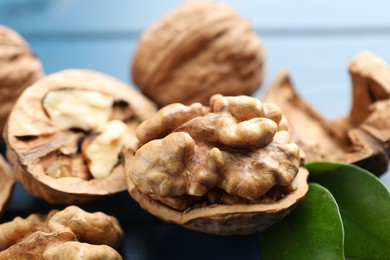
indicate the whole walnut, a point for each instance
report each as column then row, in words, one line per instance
column 198, row 50
column 227, row 168
column 19, row 68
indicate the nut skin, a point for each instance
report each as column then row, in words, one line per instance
column 198, row 50
column 7, row 181
column 49, row 236
column 19, row 69
column 228, row 155
column 33, row 142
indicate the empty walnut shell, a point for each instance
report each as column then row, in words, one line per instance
column 71, row 233
column 230, row 168
column 362, row 137
column 6, row 183
column 44, row 147
column 198, row 50
column 19, row 68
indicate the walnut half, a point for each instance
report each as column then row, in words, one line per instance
column 230, row 168
column 71, row 233
column 65, row 133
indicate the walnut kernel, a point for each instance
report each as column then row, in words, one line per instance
column 235, row 152
column 71, row 232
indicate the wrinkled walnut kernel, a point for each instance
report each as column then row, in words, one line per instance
column 71, row 232
column 102, row 152
column 238, row 147
column 81, row 109
column 88, row 111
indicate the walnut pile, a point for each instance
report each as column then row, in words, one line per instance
column 362, row 137
column 65, row 133
column 71, row 233
column 237, row 151
column 6, row 183
column 197, row 50
column 19, row 68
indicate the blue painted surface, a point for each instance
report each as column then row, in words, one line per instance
column 314, row 40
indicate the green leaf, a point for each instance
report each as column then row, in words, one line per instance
column 364, row 204
column 312, row 231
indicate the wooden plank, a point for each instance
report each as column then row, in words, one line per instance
column 130, row 17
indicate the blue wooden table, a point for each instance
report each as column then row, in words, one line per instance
column 314, row 40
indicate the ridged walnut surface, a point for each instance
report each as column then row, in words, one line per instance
column 31, row 138
column 230, row 168
column 195, row 51
column 19, row 68
column 68, row 234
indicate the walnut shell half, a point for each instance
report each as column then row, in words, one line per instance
column 197, row 50
column 362, row 137
column 65, row 132
column 230, row 168
column 6, row 183
column 19, row 68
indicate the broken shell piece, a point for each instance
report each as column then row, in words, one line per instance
column 224, row 169
column 7, row 182
column 362, row 137
column 71, row 232
column 65, row 133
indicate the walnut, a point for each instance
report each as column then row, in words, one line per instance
column 362, row 137
column 19, row 69
column 195, row 51
column 6, row 184
column 230, row 168
column 65, row 133
column 71, row 232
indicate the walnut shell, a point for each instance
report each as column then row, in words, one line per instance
column 230, row 168
column 19, row 68
column 362, row 137
column 198, row 50
column 35, row 145
column 71, row 232
column 6, row 184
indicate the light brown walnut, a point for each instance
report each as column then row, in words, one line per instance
column 7, row 181
column 65, row 133
column 198, row 50
column 362, row 137
column 71, row 233
column 19, row 68
column 235, row 152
